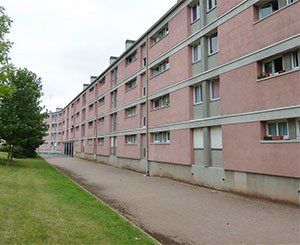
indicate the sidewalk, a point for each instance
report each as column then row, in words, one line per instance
column 174, row 212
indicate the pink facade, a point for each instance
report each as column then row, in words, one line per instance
column 179, row 109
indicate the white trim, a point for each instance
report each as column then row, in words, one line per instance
column 214, row 5
column 199, row 53
column 292, row 58
column 201, row 94
column 198, row 12
column 209, row 44
column 298, row 129
column 210, row 91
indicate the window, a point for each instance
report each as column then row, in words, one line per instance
column 268, row 9
column 91, row 124
column 101, row 121
column 144, row 61
column 144, row 91
column 91, row 107
column 215, row 90
column 100, row 141
column 91, row 90
column 130, row 139
column 102, row 81
column 295, row 60
column 216, row 137
column 211, row 4
column 298, row 129
column 131, row 58
column 161, row 102
column 160, row 35
column 101, row 101
column 195, row 12
column 130, row 85
column 161, row 137
column 131, row 111
column 160, row 68
column 144, row 122
column 196, row 53
column 198, row 138
column 198, row 94
column 90, row 141
column 273, row 67
column 114, row 76
column 289, row 1
column 278, row 129
column 213, row 44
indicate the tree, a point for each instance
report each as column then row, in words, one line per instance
column 21, row 118
column 5, row 45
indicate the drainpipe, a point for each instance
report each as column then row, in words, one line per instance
column 147, row 108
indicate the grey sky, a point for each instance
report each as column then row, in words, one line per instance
column 66, row 41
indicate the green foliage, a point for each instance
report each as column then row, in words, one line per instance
column 5, row 45
column 21, row 118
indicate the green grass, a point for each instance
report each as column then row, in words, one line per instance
column 40, row 205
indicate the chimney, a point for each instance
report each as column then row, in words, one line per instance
column 129, row 43
column 93, row 78
column 112, row 59
column 85, row 85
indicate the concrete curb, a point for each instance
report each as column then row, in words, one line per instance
column 114, row 210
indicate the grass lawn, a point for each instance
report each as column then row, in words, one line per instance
column 40, row 205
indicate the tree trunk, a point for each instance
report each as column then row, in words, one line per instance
column 8, row 155
column 11, row 152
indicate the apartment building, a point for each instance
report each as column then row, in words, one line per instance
column 210, row 95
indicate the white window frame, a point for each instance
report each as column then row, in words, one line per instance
column 131, row 58
column 144, row 121
column 298, row 128
column 90, row 126
column 160, row 68
column 211, row 91
column 90, row 141
column 214, row 4
column 294, row 66
column 165, row 102
column 289, row 1
column 101, row 120
column 161, row 137
column 285, row 137
column 131, row 112
column 273, row 65
column 209, row 44
column 133, row 84
column 100, row 142
column 131, row 139
column 160, row 35
column 199, row 53
column 197, row 5
column 201, row 94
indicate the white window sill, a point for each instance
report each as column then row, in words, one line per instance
column 193, row 22
column 159, row 108
column 157, row 143
column 130, row 116
column 158, row 74
column 213, row 53
column 153, row 44
column 215, row 100
column 210, row 10
column 278, row 74
column 198, row 103
column 279, row 141
column 127, row 90
column 195, row 62
column 131, row 144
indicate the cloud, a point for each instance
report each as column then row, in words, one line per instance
column 65, row 42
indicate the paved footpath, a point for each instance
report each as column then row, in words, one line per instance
column 178, row 213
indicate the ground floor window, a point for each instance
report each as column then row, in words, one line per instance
column 279, row 129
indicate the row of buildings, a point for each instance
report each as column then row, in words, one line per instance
column 210, row 94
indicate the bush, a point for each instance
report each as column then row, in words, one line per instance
column 24, row 152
